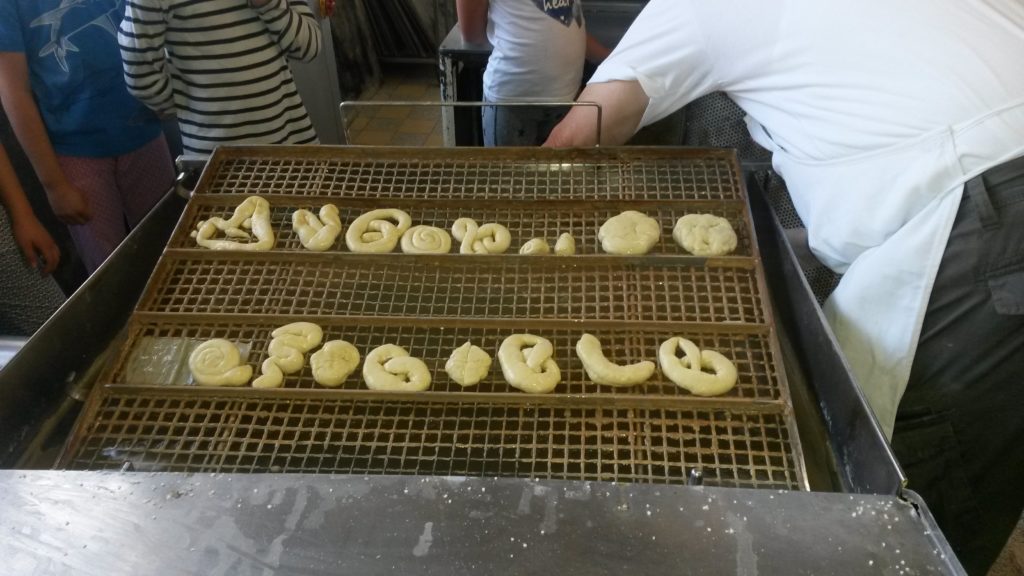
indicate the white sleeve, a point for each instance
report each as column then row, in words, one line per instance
column 664, row 50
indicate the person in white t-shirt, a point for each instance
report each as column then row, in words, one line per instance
column 539, row 48
column 899, row 130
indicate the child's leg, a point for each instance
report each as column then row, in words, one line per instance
column 95, row 178
column 143, row 177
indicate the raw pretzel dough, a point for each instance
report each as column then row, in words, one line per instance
column 603, row 371
column 535, row 247
column 288, row 344
column 565, row 245
column 217, row 363
column 374, row 232
column 686, row 372
column 629, row 233
column 390, row 368
column 490, row 238
column 527, row 363
column 253, row 214
column 705, row 235
column 426, row 240
column 333, row 363
column 317, row 234
column 468, row 365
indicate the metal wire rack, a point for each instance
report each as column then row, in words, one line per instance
column 146, row 412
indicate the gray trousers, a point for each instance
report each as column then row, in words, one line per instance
column 959, row 432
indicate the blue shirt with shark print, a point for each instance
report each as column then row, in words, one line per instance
column 76, row 74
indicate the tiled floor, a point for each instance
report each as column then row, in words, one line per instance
column 399, row 125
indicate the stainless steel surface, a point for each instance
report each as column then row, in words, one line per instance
column 432, row 304
column 317, row 82
column 140, row 523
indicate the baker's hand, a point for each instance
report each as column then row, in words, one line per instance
column 69, row 204
column 36, row 245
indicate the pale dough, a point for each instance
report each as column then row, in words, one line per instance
column 426, row 240
column 217, row 363
column 252, row 214
column 629, row 233
column 535, row 247
column 565, row 245
column 468, row 365
column 602, row 371
column 288, row 345
column 490, row 238
column 686, row 372
column 317, row 234
column 390, row 368
column 333, row 363
column 527, row 363
column 705, row 235
column 374, row 232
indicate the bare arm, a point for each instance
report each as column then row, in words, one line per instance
column 473, row 20
column 622, row 107
column 33, row 240
column 16, row 95
column 596, row 52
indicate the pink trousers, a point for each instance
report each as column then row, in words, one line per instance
column 120, row 190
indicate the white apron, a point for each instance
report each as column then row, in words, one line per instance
column 882, row 220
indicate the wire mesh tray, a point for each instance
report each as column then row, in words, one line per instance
column 145, row 412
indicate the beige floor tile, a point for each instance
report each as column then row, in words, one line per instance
column 406, row 139
column 397, row 112
column 410, row 91
column 435, row 139
column 384, row 124
column 411, row 126
column 373, row 138
column 358, row 123
column 426, row 113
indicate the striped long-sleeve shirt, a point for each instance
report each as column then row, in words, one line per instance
column 220, row 66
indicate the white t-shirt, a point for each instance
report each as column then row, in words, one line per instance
column 829, row 79
column 539, row 49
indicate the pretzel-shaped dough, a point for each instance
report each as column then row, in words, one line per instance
column 468, row 365
column 565, row 245
column 287, row 346
column 333, row 363
column 374, row 233
column 535, row 247
column 391, row 368
column 705, row 235
column 630, row 232
column 426, row 240
column 253, row 213
column 217, row 363
column 686, row 372
column 527, row 363
column 603, row 371
column 317, row 234
column 490, row 238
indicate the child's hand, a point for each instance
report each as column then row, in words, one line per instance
column 36, row 244
column 69, row 204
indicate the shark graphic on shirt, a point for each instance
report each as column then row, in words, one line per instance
column 65, row 22
column 565, row 11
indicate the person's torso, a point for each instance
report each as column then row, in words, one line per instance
column 77, row 78
column 539, row 49
column 231, row 78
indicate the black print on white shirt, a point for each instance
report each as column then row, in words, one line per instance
column 565, row 11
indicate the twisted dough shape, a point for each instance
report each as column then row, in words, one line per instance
column 426, row 240
column 686, row 372
column 287, row 346
column 468, row 365
column 217, row 363
column 490, row 238
column 565, row 245
column 333, row 363
column 391, row 368
column 535, row 247
column 317, row 234
column 630, row 232
column 527, row 363
column 253, row 213
column 705, row 235
column 374, row 233
column 603, row 371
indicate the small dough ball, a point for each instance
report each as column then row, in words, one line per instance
column 629, row 233
column 426, row 240
column 565, row 245
column 705, row 235
column 468, row 365
column 535, row 247
column 333, row 363
column 217, row 362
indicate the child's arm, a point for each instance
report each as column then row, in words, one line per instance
column 141, row 38
column 33, row 240
column 293, row 25
column 473, row 20
column 68, row 202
